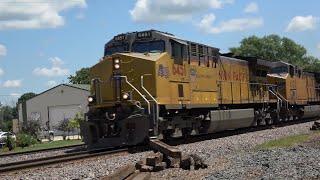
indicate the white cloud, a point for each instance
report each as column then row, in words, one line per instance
column 233, row 25
column 318, row 46
column 55, row 70
column 51, row 84
column 12, row 83
column 24, row 14
column 252, row 8
column 80, row 16
column 1, row 72
column 302, row 23
column 152, row 11
column 3, row 50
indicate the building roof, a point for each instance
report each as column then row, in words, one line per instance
column 85, row 87
column 79, row 86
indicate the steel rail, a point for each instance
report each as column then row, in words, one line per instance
column 40, row 150
column 57, row 159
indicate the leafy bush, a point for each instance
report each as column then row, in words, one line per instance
column 32, row 128
column 10, row 143
column 64, row 126
column 76, row 121
column 25, row 140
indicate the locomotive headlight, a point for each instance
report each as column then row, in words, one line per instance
column 116, row 66
column 117, row 61
column 90, row 99
column 125, row 96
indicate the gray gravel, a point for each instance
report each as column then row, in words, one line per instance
column 37, row 155
column 221, row 155
column 92, row 168
column 291, row 163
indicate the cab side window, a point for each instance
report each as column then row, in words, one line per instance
column 291, row 71
column 177, row 52
column 201, row 54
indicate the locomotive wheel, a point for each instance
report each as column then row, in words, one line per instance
column 167, row 134
column 186, row 132
column 259, row 122
column 268, row 121
column 93, row 134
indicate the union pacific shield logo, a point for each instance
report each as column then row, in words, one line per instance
column 163, row 71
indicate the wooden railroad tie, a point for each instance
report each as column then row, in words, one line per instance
column 165, row 156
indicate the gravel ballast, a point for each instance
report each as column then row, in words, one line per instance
column 92, row 168
column 287, row 163
column 222, row 154
column 35, row 155
column 231, row 157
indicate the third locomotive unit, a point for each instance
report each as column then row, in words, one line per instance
column 152, row 84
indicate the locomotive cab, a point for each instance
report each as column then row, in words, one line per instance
column 124, row 101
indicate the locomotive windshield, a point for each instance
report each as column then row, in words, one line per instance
column 115, row 49
column 150, row 46
column 281, row 69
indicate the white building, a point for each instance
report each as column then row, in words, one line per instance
column 55, row 105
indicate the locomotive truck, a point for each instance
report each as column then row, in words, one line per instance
column 152, row 84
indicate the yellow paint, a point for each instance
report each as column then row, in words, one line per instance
column 225, row 83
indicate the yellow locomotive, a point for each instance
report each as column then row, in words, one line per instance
column 153, row 84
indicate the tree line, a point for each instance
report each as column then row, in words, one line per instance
column 276, row 48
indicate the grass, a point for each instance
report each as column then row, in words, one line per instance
column 288, row 141
column 43, row 145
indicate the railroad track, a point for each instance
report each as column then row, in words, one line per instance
column 41, row 150
column 93, row 153
column 57, row 159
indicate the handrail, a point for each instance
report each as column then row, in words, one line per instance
column 287, row 102
column 275, row 94
column 263, row 84
column 144, row 98
column 279, row 99
column 154, row 99
column 98, row 96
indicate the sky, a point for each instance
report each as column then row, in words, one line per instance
column 42, row 42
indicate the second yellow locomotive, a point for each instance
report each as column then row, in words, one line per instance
column 153, row 84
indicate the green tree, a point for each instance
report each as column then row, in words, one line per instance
column 81, row 77
column 276, row 48
column 76, row 121
column 32, row 128
column 26, row 97
column 65, row 127
column 7, row 113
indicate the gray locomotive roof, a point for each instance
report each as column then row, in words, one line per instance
column 264, row 62
column 225, row 58
column 279, row 63
column 169, row 36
